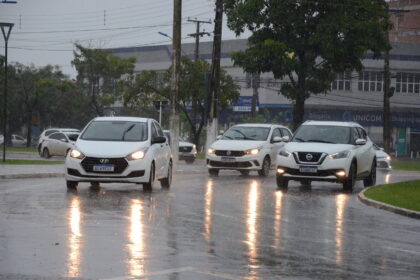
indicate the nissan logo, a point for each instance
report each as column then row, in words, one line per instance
column 104, row 160
column 309, row 157
column 228, row 153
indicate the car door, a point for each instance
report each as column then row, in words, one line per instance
column 366, row 151
column 165, row 150
column 53, row 143
column 359, row 151
column 156, row 150
column 275, row 146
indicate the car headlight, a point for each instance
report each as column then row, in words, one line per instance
column 284, row 153
column 252, row 151
column 343, row 154
column 76, row 154
column 388, row 158
column 211, row 151
column 194, row 147
column 137, row 155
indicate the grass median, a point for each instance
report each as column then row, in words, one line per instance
column 405, row 195
column 31, row 162
column 406, row 165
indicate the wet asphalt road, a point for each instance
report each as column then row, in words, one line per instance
column 226, row 227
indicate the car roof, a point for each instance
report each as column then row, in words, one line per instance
column 129, row 119
column 332, row 123
column 259, row 125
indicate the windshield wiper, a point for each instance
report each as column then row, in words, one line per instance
column 320, row 141
column 240, row 132
column 127, row 130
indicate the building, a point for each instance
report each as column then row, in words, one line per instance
column 405, row 15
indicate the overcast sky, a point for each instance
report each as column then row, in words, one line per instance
column 45, row 30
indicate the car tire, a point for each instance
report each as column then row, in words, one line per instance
column 282, row 183
column 265, row 169
column 39, row 151
column 166, row 182
column 244, row 172
column 349, row 182
column 72, row 185
column 46, row 153
column 190, row 160
column 149, row 185
column 371, row 179
column 213, row 172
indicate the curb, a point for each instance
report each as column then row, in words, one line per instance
column 380, row 205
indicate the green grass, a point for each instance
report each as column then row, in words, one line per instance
column 405, row 195
column 25, row 161
column 406, row 165
column 30, row 149
column 201, row 156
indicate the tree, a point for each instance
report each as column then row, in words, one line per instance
column 141, row 89
column 98, row 72
column 307, row 41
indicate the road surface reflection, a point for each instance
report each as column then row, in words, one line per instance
column 74, row 217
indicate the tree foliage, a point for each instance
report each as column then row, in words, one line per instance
column 307, row 41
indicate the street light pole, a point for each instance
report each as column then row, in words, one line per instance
column 6, row 34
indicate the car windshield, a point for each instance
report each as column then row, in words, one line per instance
column 115, row 131
column 247, row 133
column 323, row 134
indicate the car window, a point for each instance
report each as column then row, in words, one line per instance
column 19, row 138
column 286, row 132
column 247, row 133
column 276, row 133
column 57, row 136
column 323, row 134
column 154, row 131
column 355, row 134
column 72, row 136
column 362, row 133
column 116, row 131
column 158, row 129
column 49, row 132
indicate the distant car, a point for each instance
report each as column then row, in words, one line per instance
column 120, row 150
column 383, row 160
column 247, row 147
column 50, row 131
column 18, row 141
column 187, row 150
column 58, row 144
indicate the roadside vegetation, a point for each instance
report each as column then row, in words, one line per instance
column 406, row 165
column 405, row 195
column 30, row 162
column 26, row 149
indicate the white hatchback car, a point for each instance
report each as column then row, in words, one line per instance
column 247, row 147
column 58, row 144
column 328, row 151
column 120, row 149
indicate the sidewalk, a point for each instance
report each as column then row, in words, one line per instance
column 12, row 171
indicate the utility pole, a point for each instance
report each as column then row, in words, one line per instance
column 215, row 75
column 197, row 35
column 175, row 79
column 255, row 80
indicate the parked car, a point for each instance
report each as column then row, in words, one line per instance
column 120, row 149
column 43, row 136
column 383, row 160
column 18, row 141
column 328, row 151
column 247, row 147
column 187, row 151
column 58, row 144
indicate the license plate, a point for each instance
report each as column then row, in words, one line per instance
column 103, row 168
column 308, row 169
column 228, row 159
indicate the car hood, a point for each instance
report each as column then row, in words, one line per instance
column 185, row 144
column 317, row 147
column 108, row 148
column 236, row 145
column 381, row 154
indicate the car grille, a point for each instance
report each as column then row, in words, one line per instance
column 308, row 157
column 382, row 164
column 319, row 173
column 229, row 153
column 185, row 149
column 133, row 174
column 120, row 164
column 230, row 164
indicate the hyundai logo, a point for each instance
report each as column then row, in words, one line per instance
column 228, row 153
column 104, row 160
column 309, row 157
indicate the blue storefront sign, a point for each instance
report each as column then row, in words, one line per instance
column 244, row 104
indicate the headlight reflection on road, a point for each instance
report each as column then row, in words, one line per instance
column 277, row 218
column 387, row 178
column 136, row 237
column 252, row 232
column 340, row 201
column 208, row 201
column 75, row 238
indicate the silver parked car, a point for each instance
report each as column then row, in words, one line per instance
column 58, row 144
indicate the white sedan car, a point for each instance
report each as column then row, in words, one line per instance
column 58, row 144
column 247, row 147
column 120, row 149
column 328, row 151
column 383, row 159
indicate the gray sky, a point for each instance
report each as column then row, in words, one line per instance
column 45, row 30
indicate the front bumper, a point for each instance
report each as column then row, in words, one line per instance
column 245, row 162
column 383, row 163
column 186, row 156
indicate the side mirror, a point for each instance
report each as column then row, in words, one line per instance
column 360, row 142
column 276, row 139
column 158, row 140
column 285, row 139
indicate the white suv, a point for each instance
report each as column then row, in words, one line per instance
column 120, row 149
column 328, row 151
column 247, row 147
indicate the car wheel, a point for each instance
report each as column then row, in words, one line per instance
column 46, row 153
column 190, row 160
column 71, row 185
column 149, row 185
column 39, row 151
column 282, row 183
column 265, row 169
column 348, row 184
column 166, row 182
column 213, row 172
column 371, row 179
column 244, row 172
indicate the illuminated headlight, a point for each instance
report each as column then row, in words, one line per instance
column 194, row 147
column 388, row 158
column 252, row 152
column 136, row 155
column 284, row 153
column 343, row 154
column 76, row 154
column 211, row 151
column 341, row 173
